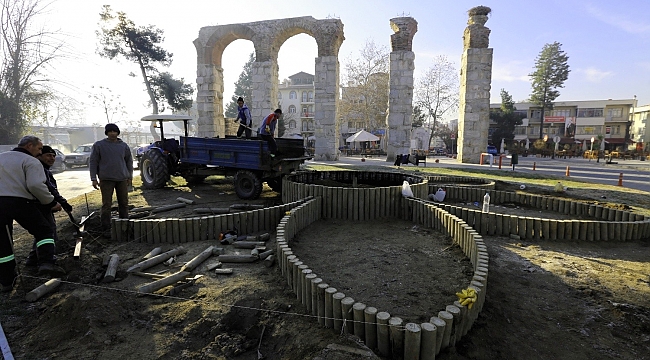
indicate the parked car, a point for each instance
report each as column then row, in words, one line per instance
column 491, row 149
column 79, row 157
column 59, row 162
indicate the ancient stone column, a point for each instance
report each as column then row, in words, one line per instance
column 475, row 84
column 326, row 96
column 209, row 100
column 265, row 90
column 400, row 98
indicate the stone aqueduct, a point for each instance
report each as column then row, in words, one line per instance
column 268, row 36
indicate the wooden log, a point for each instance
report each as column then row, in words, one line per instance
column 111, row 269
column 440, row 331
column 396, row 337
column 184, row 200
column 370, row 329
column 152, row 253
column 142, row 209
column 412, row 341
column 359, row 327
column 265, row 254
column 237, row 258
column 213, row 266
column 77, row 247
column 164, row 208
column 157, row 259
column 161, row 283
column 223, row 271
column 383, row 337
column 247, row 244
column 214, row 211
column 42, row 290
column 198, row 259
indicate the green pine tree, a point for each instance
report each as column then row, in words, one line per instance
column 243, row 88
column 506, row 120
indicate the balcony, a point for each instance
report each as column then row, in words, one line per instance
column 307, row 115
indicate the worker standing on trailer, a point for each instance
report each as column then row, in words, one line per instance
column 244, row 117
column 267, row 129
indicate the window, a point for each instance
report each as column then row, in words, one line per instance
column 616, row 130
column 310, row 96
column 614, row 112
column 360, row 125
column 279, row 96
column 520, row 130
column 292, row 124
column 304, row 96
column 535, row 114
column 350, row 125
column 561, row 112
column 292, row 95
column 292, row 109
column 590, row 112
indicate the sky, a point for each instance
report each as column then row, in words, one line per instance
column 608, row 42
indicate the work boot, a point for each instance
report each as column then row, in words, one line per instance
column 31, row 261
column 50, row 269
column 10, row 287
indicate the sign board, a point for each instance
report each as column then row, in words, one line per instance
column 553, row 119
column 556, row 139
column 608, row 129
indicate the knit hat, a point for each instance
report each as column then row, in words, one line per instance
column 240, row 99
column 47, row 150
column 111, row 127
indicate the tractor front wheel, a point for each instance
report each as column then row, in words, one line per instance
column 248, row 185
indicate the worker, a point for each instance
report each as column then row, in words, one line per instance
column 267, row 128
column 244, row 118
column 47, row 158
column 22, row 188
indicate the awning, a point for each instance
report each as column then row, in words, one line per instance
column 618, row 141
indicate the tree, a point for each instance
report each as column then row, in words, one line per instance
column 436, row 92
column 365, row 87
column 243, row 88
column 119, row 36
column 506, row 119
column 27, row 51
column 551, row 71
column 109, row 102
column 444, row 132
column 418, row 117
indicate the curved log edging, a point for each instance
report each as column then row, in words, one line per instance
column 352, row 203
column 378, row 329
column 608, row 224
column 174, row 230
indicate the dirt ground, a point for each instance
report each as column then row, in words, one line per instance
column 545, row 300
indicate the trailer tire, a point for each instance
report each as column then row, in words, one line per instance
column 248, row 185
column 153, row 170
column 275, row 184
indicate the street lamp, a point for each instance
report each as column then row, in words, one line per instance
column 591, row 149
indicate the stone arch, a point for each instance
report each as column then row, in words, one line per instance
column 267, row 37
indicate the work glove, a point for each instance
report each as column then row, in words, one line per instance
column 67, row 207
column 268, row 129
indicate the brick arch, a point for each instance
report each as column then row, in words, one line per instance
column 267, row 37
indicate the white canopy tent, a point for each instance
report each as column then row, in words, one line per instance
column 362, row 136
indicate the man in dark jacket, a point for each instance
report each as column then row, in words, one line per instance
column 47, row 158
column 244, row 117
column 111, row 169
column 22, row 188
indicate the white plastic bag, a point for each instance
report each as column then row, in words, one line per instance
column 439, row 195
column 406, row 189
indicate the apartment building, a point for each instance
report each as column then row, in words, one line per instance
column 577, row 121
column 296, row 99
column 640, row 131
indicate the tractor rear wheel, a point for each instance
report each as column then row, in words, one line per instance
column 153, row 170
column 248, row 185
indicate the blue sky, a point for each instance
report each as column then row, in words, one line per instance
column 608, row 42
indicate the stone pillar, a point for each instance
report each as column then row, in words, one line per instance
column 209, row 101
column 475, row 84
column 326, row 97
column 265, row 90
column 400, row 97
